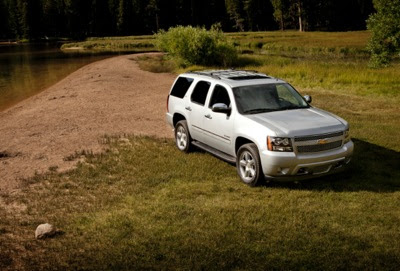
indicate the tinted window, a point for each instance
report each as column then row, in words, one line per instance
column 200, row 91
column 256, row 99
column 220, row 95
column 181, row 87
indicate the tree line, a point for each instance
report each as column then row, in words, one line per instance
column 36, row 19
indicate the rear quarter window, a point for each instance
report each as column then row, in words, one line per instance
column 181, row 87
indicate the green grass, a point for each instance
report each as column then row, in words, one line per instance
column 122, row 44
column 336, row 44
column 155, row 63
column 145, row 205
column 356, row 39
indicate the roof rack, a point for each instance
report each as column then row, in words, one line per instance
column 232, row 74
column 206, row 73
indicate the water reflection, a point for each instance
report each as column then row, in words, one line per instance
column 27, row 69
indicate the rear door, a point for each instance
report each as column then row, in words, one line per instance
column 196, row 109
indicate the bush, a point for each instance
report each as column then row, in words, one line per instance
column 385, row 28
column 197, row 46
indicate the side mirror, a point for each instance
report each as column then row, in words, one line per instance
column 308, row 98
column 221, row 108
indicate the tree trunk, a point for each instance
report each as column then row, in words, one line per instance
column 300, row 17
column 157, row 22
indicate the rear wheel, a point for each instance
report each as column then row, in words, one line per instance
column 182, row 136
column 248, row 165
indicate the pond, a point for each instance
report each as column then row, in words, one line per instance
column 26, row 69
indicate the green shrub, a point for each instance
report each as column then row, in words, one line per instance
column 197, row 46
column 257, row 44
column 385, row 28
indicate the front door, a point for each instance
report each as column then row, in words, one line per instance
column 218, row 127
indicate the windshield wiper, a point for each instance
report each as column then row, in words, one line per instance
column 258, row 110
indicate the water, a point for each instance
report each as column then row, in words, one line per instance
column 30, row 68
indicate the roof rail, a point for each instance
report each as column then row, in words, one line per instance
column 232, row 74
column 205, row 74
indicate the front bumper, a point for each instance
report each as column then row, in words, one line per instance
column 292, row 166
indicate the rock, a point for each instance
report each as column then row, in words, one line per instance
column 44, row 231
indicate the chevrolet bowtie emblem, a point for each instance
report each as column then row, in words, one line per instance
column 322, row 141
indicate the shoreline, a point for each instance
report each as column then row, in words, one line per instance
column 112, row 96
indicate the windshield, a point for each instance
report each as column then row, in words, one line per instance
column 266, row 98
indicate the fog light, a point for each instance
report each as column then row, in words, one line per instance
column 302, row 171
column 285, row 171
column 338, row 165
column 282, row 171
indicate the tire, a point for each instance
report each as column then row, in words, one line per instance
column 248, row 165
column 182, row 136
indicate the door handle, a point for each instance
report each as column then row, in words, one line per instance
column 208, row 116
column 188, row 108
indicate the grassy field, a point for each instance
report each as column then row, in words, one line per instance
column 129, row 43
column 144, row 205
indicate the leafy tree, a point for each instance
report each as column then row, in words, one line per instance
column 385, row 27
column 235, row 11
column 125, row 16
column 4, row 27
column 77, row 17
column 53, row 21
column 154, row 11
column 259, row 15
column 29, row 18
column 100, row 17
column 281, row 8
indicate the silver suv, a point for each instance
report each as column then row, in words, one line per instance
column 259, row 122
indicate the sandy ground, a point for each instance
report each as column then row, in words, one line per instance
column 109, row 97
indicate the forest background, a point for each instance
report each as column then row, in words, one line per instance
column 43, row 19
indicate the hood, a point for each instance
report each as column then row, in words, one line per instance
column 300, row 122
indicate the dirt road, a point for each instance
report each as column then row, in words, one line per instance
column 109, row 97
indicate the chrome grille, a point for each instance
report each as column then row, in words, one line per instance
column 315, row 137
column 319, row 147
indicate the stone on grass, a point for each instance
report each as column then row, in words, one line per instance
column 44, row 231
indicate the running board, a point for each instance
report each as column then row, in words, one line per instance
column 215, row 152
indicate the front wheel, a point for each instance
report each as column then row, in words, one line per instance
column 182, row 136
column 248, row 165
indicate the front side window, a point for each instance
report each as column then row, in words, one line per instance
column 200, row 92
column 220, row 95
column 266, row 98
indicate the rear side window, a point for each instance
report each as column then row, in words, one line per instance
column 200, row 91
column 181, row 87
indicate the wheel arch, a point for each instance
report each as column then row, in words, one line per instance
column 177, row 117
column 240, row 141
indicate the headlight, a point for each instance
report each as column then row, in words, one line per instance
column 346, row 136
column 282, row 144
